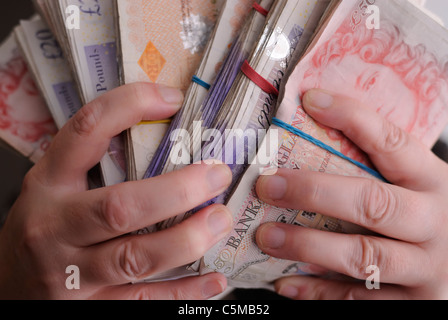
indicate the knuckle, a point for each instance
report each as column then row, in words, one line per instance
column 178, row 293
column 366, row 252
column 140, row 93
column 192, row 241
column 319, row 291
column 350, row 294
column 378, row 204
column 28, row 182
column 133, row 262
column 142, row 294
column 174, row 293
column 194, row 245
column 86, row 120
column 393, row 138
column 32, row 241
column 186, row 195
column 116, row 216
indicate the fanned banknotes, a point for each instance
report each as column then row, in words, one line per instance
column 399, row 69
column 245, row 109
column 91, row 52
column 216, row 73
column 160, row 42
column 50, row 69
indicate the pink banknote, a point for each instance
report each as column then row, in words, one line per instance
column 25, row 121
column 164, row 40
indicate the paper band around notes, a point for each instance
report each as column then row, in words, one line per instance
column 260, row 9
column 264, row 84
column 201, row 82
column 279, row 123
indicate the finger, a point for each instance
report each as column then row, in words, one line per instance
column 135, row 258
column 398, row 262
column 397, row 155
column 374, row 205
column 82, row 143
column 99, row 215
column 309, row 288
column 192, row 288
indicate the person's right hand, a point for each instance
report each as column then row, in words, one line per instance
column 57, row 222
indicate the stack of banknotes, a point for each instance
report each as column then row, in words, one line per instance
column 243, row 66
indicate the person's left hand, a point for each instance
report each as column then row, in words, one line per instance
column 411, row 213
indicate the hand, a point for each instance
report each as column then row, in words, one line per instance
column 57, row 222
column 411, row 213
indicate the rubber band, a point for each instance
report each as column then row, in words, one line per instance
column 303, row 135
column 264, row 84
column 260, row 9
column 167, row 121
column 200, row 82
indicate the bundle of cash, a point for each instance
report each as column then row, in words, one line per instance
column 245, row 109
column 183, row 41
column 399, row 68
column 243, row 66
column 204, row 99
column 89, row 46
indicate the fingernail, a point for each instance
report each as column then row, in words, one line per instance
column 212, row 288
column 171, row 95
column 219, row 177
column 272, row 237
column 219, row 222
column 289, row 292
column 273, row 187
column 319, row 99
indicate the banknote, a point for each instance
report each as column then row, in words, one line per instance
column 220, row 64
column 161, row 42
column 249, row 108
column 398, row 69
column 25, row 121
column 50, row 69
column 90, row 48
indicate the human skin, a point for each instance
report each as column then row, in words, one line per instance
column 57, row 222
column 408, row 214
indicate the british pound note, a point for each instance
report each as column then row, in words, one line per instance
column 161, row 42
column 398, row 69
column 25, row 122
column 228, row 27
column 50, row 69
column 92, row 52
column 248, row 108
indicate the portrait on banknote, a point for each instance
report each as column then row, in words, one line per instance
column 23, row 121
column 382, row 70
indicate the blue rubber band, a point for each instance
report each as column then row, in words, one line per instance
column 303, row 135
column 201, row 82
